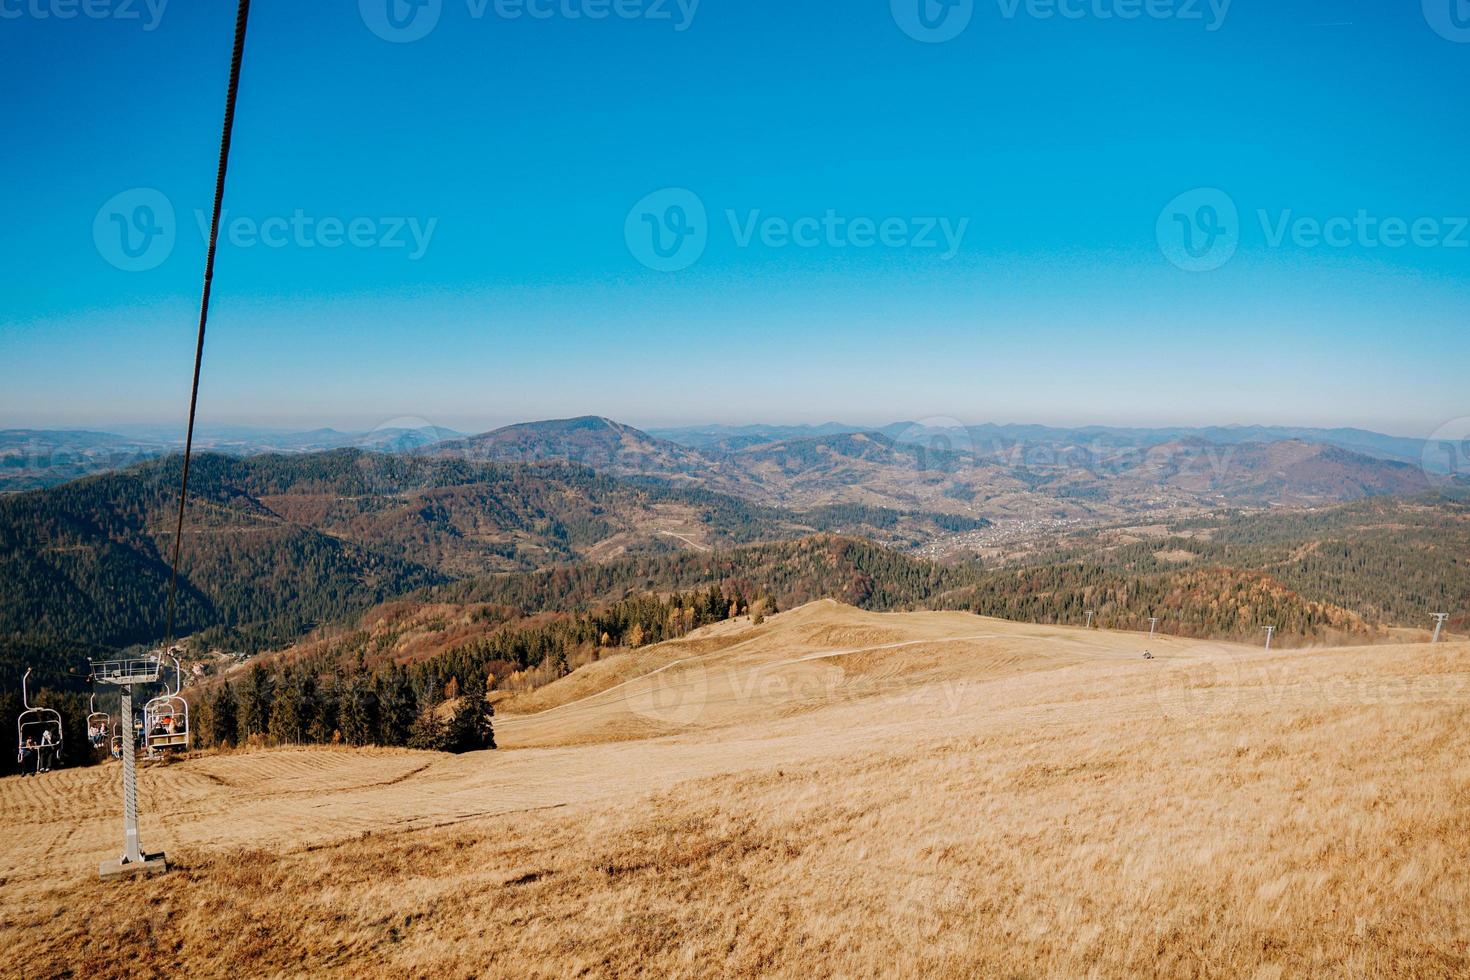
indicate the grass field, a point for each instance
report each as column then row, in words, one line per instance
column 833, row 792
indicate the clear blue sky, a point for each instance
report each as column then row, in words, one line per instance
column 528, row 141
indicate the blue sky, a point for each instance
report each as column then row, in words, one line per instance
column 519, row 146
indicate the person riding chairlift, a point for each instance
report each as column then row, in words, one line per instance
column 47, row 752
column 28, row 757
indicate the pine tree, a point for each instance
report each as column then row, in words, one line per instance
column 224, row 713
column 255, row 703
column 470, row 728
column 428, row 731
column 285, row 726
column 398, row 707
column 323, row 727
column 358, row 714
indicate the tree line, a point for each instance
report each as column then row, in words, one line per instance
column 441, row 703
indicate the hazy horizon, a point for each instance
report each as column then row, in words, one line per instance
column 473, row 427
column 457, row 227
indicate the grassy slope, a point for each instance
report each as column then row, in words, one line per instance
column 1039, row 803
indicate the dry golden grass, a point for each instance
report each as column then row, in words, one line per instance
column 810, row 799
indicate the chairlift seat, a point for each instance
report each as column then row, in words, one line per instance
column 33, row 726
column 172, row 740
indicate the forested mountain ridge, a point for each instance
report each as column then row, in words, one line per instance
column 274, row 544
column 516, row 632
column 1391, row 560
column 1123, row 588
column 604, row 445
column 1087, row 473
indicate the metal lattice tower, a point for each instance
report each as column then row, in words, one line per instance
column 124, row 674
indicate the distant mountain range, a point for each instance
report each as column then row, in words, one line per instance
column 278, row 541
column 991, row 439
column 1006, row 471
column 1033, row 471
column 35, row 458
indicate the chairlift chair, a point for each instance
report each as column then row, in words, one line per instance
column 166, row 719
column 41, row 727
column 99, row 724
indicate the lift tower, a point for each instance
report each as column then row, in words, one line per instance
column 123, row 674
column 1439, row 619
column 1270, row 632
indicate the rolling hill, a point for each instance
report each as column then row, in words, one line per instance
column 602, row 444
column 831, row 791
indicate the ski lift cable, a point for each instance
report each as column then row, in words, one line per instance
column 241, row 20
